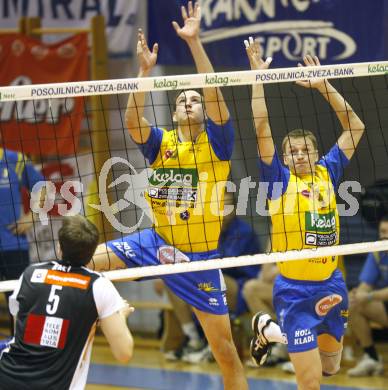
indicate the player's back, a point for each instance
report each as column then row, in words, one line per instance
column 56, row 317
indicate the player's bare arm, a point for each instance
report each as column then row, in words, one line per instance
column 265, row 143
column 118, row 335
column 352, row 125
column 138, row 126
column 215, row 106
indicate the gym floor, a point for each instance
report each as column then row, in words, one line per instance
column 149, row 370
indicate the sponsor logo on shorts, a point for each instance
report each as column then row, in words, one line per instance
column 325, row 304
column 303, row 336
column 213, row 302
column 281, row 317
column 169, row 255
column 207, row 287
column 124, row 248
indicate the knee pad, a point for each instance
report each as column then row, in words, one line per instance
column 331, row 362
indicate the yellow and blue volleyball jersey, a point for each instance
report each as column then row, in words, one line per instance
column 304, row 213
column 15, row 173
column 186, row 188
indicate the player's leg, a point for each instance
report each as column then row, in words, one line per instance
column 105, row 259
column 193, row 342
column 258, row 296
column 134, row 250
column 308, row 369
column 219, row 336
column 205, row 292
column 330, row 351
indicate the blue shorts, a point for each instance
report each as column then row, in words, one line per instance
column 307, row 309
column 204, row 290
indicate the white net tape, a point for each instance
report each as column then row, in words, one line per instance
column 166, row 269
column 189, row 81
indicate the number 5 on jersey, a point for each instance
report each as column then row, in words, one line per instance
column 53, row 300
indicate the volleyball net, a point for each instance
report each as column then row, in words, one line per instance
column 104, row 175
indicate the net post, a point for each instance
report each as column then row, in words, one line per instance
column 99, row 134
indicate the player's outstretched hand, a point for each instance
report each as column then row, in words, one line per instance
column 146, row 57
column 191, row 22
column 317, row 83
column 255, row 54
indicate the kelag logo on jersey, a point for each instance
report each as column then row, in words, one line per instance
column 287, row 30
column 320, row 229
column 174, row 177
column 323, row 223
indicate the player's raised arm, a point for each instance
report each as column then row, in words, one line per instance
column 216, row 108
column 265, row 143
column 352, row 125
column 138, row 126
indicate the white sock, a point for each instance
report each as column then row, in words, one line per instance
column 274, row 334
column 190, row 330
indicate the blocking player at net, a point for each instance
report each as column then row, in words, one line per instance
column 310, row 296
column 57, row 305
column 186, row 226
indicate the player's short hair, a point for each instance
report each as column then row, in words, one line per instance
column 78, row 239
column 300, row 133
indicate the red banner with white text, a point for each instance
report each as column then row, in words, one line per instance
column 42, row 127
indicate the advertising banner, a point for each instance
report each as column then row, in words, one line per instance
column 120, row 17
column 45, row 127
column 335, row 31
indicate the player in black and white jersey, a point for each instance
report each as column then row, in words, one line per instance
column 57, row 305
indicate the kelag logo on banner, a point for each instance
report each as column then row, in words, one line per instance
column 335, row 31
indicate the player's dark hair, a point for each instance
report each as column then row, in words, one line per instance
column 78, row 239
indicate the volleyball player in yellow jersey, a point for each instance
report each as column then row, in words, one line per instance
column 187, row 224
column 310, row 296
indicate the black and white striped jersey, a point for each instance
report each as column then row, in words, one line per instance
column 57, row 308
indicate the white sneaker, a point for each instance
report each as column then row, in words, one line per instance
column 204, row 355
column 367, row 367
column 187, row 347
column 288, row 367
